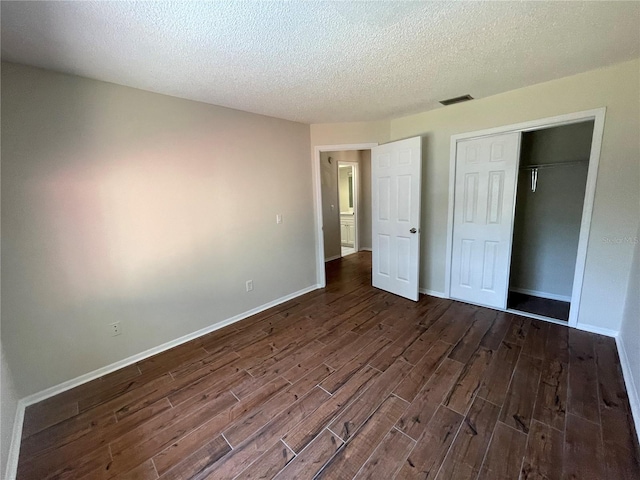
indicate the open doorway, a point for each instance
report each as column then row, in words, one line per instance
column 345, row 187
column 394, row 169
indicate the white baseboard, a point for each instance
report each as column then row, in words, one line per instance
column 11, row 469
column 366, row 249
column 632, row 390
column 537, row 293
column 432, row 293
column 14, row 449
column 87, row 377
column 599, row 330
column 335, row 257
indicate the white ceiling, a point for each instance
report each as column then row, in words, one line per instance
column 321, row 61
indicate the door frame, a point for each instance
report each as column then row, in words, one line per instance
column 598, row 117
column 321, row 280
column 356, row 193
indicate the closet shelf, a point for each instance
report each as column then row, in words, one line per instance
column 550, row 165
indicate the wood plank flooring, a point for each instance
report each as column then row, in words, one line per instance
column 350, row 382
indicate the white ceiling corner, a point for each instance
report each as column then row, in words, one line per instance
column 321, row 61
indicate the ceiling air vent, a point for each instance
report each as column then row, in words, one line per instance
column 451, row 101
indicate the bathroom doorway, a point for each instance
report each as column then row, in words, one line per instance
column 348, row 205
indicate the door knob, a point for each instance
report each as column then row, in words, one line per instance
column 413, row 230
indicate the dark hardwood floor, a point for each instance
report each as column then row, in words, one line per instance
column 350, row 382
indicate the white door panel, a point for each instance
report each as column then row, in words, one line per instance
column 485, row 183
column 396, row 180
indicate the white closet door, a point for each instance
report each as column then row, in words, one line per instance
column 396, row 182
column 485, row 185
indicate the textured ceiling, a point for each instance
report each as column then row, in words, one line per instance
column 321, row 61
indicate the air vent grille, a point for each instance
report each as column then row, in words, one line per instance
column 451, row 101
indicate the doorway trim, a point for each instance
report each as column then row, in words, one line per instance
column 317, row 199
column 356, row 205
column 598, row 117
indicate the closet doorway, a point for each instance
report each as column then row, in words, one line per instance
column 551, row 185
column 520, row 205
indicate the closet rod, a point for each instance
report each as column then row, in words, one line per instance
column 549, row 165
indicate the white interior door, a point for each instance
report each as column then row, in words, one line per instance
column 395, row 185
column 485, row 184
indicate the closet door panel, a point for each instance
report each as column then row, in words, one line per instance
column 466, row 249
column 485, row 185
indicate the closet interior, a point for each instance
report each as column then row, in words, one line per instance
column 551, row 186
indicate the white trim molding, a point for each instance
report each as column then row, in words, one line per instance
column 607, row 332
column 632, row 391
column 330, row 259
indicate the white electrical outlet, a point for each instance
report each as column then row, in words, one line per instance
column 279, row 218
column 115, row 329
column 249, row 285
